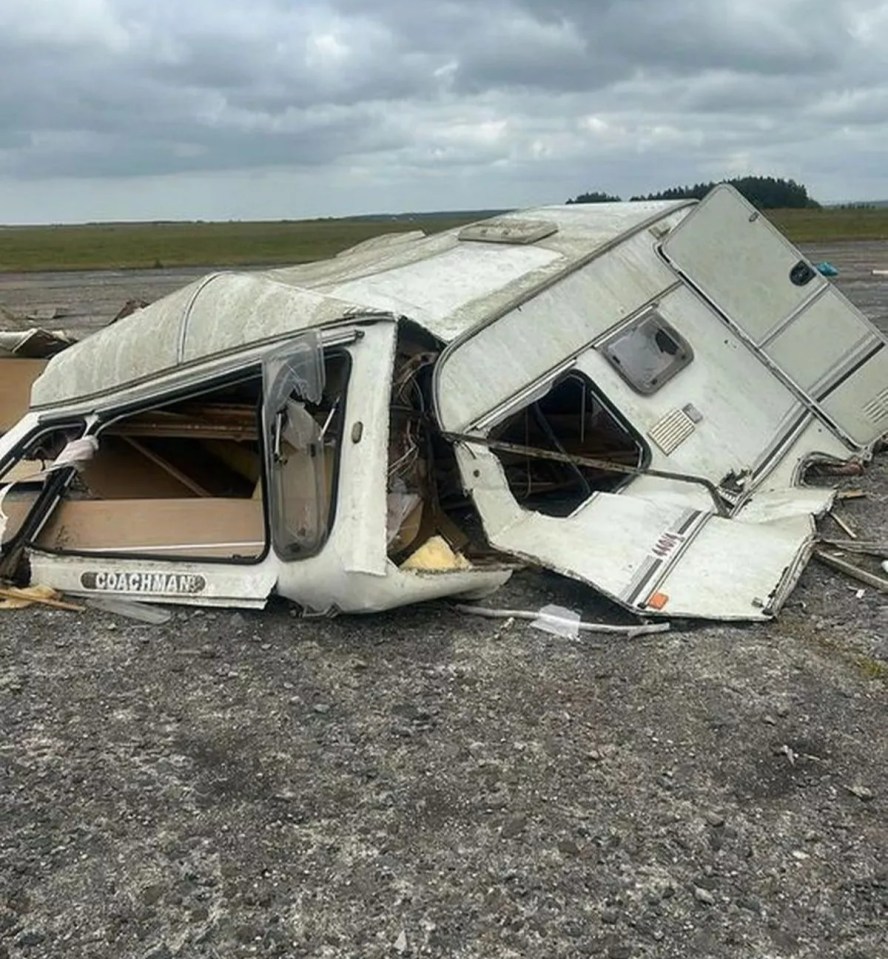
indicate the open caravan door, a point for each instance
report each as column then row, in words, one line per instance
column 621, row 438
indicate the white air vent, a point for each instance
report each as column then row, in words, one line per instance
column 672, row 430
column 877, row 408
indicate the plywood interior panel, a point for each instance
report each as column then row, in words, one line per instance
column 181, row 527
column 16, row 377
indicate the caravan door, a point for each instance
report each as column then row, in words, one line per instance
column 797, row 322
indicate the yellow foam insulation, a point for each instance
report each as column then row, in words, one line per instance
column 435, row 556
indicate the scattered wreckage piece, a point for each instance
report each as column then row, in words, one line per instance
column 850, row 569
column 33, row 343
column 843, row 524
column 140, row 612
column 867, row 547
column 131, row 306
column 14, row 598
column 629, row 394
column 639, row 629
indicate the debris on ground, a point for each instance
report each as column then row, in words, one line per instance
column 12, row 597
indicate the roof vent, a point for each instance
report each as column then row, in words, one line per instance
column 519, row 232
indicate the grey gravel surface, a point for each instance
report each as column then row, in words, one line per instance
column 425, row 783
column 86, row 300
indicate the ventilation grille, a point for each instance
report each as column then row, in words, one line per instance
column 671, row 431
column 877, row 408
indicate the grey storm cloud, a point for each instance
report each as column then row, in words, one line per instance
column 514, row 101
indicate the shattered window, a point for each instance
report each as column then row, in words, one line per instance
column 177, row 480
column 543, row 447
column 648, row 353
column 42, row 467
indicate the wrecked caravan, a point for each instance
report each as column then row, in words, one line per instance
column 628, row 394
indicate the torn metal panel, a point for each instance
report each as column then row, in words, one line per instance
column 654, row 556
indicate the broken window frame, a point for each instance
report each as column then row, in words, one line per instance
column 52, row 489
column 108, row 417
column 628, row 475
column 646, row 383
column 274, row 539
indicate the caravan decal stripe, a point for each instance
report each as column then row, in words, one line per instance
column 848, row 359
column 778, row 445
column 849, row 373
column 646, row 572
column 699, row 521
column 664, row 553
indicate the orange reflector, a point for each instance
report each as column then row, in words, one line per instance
column 657, row 600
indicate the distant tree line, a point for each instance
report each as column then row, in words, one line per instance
column 595, row 198
column 764, row 192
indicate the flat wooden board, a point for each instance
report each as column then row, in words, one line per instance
column 182, row 527
column 16, row 377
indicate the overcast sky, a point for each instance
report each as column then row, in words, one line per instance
column 220, row 109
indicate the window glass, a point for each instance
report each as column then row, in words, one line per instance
column 648, row 353
column 304, row 415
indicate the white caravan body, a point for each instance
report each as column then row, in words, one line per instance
column 676, row 367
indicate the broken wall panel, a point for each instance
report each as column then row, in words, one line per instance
column 121, row 471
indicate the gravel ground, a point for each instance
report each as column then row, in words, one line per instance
column 87, row 300
column 424, row 783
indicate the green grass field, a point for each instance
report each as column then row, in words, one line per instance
column 830, row 225
column 155, row 245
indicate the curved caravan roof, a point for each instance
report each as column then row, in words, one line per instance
column 446, row 283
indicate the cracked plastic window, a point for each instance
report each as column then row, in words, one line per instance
column 304, row 414
column 648, row 353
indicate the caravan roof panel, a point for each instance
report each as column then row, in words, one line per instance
column 444, row 284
